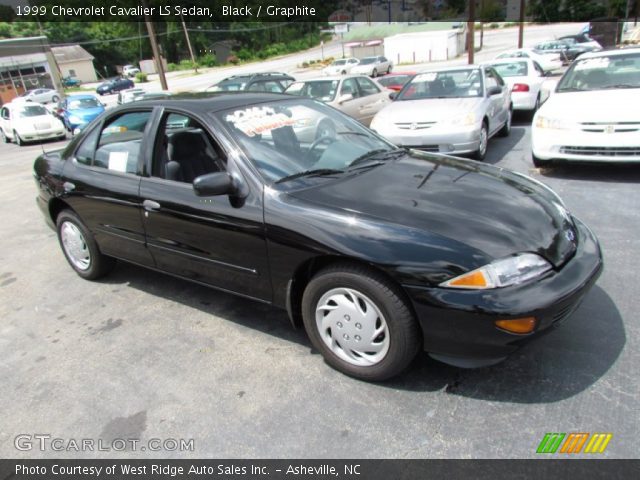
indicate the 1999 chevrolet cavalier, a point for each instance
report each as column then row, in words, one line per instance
column 378, row 251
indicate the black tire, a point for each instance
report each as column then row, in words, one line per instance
column 480, row 154
column 374, row 74
column 540, row 163
column 99, row 264
column 403, row 336
column 343, row 72
column 388, row 70
column 17, row 139
column 5, row 139
column 55, row 99
column 506, row 128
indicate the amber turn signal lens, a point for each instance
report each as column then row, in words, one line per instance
column 475, row 279
column 517, row 325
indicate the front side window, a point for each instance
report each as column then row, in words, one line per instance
column 367, row 87
column 349, row 87
column 515, row 69
column 119, row 143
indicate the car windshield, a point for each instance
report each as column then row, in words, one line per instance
column 323, row 90
column 234, row 85
column 602, row 72
column 32, row 111
column 303, row 138
column 78, row 103
column 368, row 60
column 515, row 69
column 443, row 84
column 339, row 62
column 394, row 80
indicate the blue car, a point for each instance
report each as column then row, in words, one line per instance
column 76, row 111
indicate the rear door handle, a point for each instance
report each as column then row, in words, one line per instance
column 150, row 205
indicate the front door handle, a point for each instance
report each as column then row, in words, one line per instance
column 150, row 205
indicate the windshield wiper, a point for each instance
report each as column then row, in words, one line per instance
column 310, row 173
column 378, row 155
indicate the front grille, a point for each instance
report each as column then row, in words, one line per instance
column 425, row 148
column 610, row 127
column 414, row 125
column 601, row 151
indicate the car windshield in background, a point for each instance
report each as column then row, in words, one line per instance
column 32, row 111
column 394, row 80
column 339, row 62
column 323, row 90
column 232, row 86
column 303, row 138
column 83, row 103
column 444, row 84
column 602, row 72
column 515, row 69
column 368, row 60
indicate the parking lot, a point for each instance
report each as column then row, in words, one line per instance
column 143, row 355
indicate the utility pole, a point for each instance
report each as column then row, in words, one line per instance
column 154, row 47
column 521, row 25
column 471, row 25
column 186, row 34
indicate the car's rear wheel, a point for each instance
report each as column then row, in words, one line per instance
column 484, row 140
column 360, row 322
column 388, row 70
column 80, row 248
column 539, row 162
column 343, row 72
column 506, row 128
column 374, row 74
column 17, row 139
column 5, row 139
column 55, row 99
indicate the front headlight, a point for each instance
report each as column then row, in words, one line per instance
column 74, row 119
column 466, row 120
column 502, row 273
column 552, row 123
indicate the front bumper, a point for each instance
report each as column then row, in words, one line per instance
column 438, row 138
column 42, row 134
column 581, row 146
column 458, row 325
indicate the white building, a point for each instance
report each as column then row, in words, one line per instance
column 420, row 47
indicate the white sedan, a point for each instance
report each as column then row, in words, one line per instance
column 525, row 78
column 41, row 95
column 589, row 117
column 341, row 66
column 373, row 66
column 25, row 121
column 548, row 61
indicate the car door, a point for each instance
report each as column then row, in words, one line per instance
column 102, row 183
column 373, row 99
column 211, row 240
column 351, row 106
column 496, row 111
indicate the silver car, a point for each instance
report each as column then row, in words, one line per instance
column 41, row 95
column 453, row 110
column 373, row 66
column 356, row 95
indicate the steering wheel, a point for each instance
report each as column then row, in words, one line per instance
column 320, row 141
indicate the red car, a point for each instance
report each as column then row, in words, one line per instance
column 396, row 80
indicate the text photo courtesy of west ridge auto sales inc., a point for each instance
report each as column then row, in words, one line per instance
column 357, row 239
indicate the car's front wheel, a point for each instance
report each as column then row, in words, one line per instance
column 5, row 139
column 481, row 152
column 55, row 99
column 360, row 322
column 80, row 248
column 17, row 139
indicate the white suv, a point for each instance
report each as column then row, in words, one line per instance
column 130, row 70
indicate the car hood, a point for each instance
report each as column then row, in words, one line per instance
column 428, row 109
column 87, row 112
column 594, row 106
column 492, row 210
column 40, row 119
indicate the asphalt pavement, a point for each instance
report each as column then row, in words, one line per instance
column 143, row 355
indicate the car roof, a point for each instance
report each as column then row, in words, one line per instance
column 609, row 53
column 452, row 68
column 203, row 102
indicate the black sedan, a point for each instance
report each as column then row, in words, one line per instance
column 378, row 251
column 114, row 85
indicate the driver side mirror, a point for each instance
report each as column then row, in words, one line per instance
column 345, row 98
column 214, row 184
column 393, row 95
column 495, row 90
